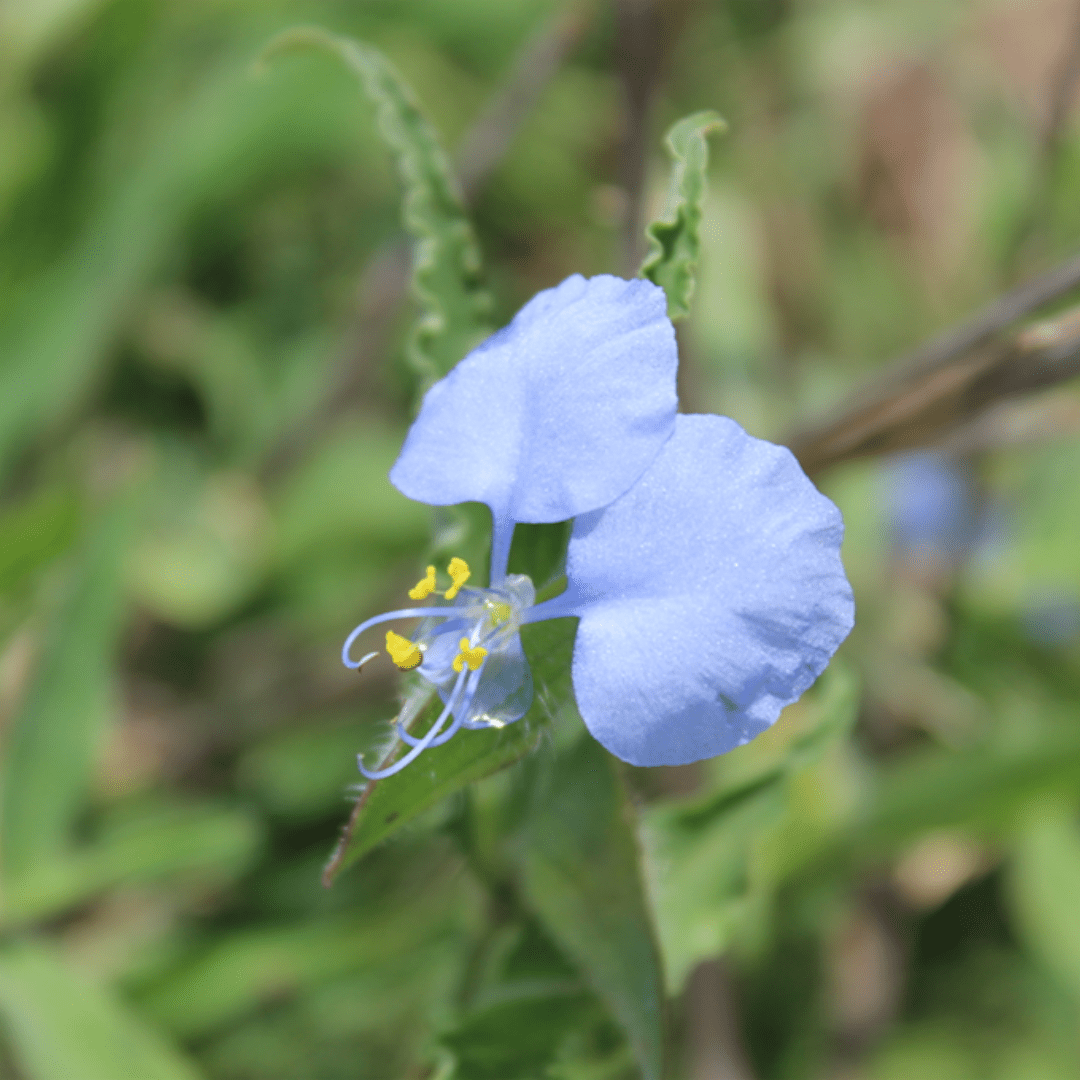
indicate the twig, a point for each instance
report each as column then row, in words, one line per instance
column 492, row 134
column 946, row 381
column 1016, row 423
column 716, row 1046
column 869, row 966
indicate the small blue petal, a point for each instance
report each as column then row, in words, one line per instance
column 556, row 414
column 710, row 596
column 505, row 689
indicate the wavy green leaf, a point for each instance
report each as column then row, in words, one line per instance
column 62, row 1027
column 446, row 278
column 673, row 240
column 518, row 1038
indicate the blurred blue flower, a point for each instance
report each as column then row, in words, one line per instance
column 703, row 566
column 933, row 506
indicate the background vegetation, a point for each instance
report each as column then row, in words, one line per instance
column 207, row 365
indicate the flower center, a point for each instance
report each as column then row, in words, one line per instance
column 468, row 648
column 491, row 617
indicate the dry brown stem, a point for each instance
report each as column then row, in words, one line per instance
column 954, row 378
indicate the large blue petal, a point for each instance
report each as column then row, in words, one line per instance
column 556, row 414
column 710, row 595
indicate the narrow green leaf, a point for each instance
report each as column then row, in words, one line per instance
column 56, row 731
column 582, row 877
column 701, row 850
column 61, row 1027
column 204, row 841
column 34, row 533
column 237, row 973
column 1044, row 884
column 446, row 280
column 471, row 755
column 699, row 859
column 673, row 240
column 939, row 789
column 1043, row 887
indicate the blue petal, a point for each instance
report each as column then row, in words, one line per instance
column 556, row 414
column 710, row 595
column 505, row 690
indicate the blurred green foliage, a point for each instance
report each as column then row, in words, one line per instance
column 208, row 360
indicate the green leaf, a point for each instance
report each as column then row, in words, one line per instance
column 204, row 841
column 61, row 1027
column 673, row 240
column 703, row 852
column 531, row 1015
column 454, row 306
column 1044, row 884
column 471, row 755
column 519, row 1038
column 34, row 533
column 986, row 786
column 700, row 858
column 57, row 728
column 237, row 973
column 581, row 875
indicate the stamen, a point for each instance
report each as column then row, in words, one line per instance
column 404, row 613
column 430, row 736
column 459, row 573
column 402, row 651
column 471, row 657
column 425, row 587
column 460, row 718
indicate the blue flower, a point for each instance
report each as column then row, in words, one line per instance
column 703, row 566
column 933, row 507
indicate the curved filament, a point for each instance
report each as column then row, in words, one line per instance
column 421, row 744
column 404, row 613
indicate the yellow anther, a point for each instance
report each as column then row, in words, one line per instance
column 459, row 573
column 402, row 651
column 473, row 657
column 425, row 587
